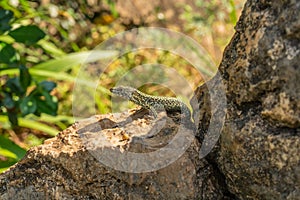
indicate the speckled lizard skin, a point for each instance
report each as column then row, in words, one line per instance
column 151, row 102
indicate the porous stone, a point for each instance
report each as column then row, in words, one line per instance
column 259, row 148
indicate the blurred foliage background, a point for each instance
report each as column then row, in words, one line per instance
column 43, row 44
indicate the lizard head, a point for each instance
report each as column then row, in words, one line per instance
column 123, row 91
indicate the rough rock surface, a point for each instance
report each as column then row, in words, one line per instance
column 259, row 148
column 66, row 167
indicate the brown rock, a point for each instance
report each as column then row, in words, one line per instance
column 259, row 148
column 83, row 162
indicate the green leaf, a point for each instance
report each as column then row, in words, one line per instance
column 41, row 73
column 48, row 99
column 6, row 6
column 72, row 60
column 28, row 105
column 57, row 118
column 51, row 48
column 7, row 54
column 5, row 17
column 7, row 39
column 232, row 13
column 42, row 100
column 13, row 118
column 7, row 154
column 23, row 122
column 12, row 147
column 27, row 34
column 37, row 126
column 48, row 107
column 8, row 102
column 14, row 85
column 4, row 165
column 25, row 77
column 47, row 85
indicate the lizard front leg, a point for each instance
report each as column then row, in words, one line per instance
column 157, row 107
column 153, row 111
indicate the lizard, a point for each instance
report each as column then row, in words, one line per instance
column 151, row 102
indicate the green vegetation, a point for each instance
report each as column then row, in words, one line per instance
column 21, row 94
column 43, row 47
column 27, row 97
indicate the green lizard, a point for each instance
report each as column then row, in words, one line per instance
column 151, row 102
